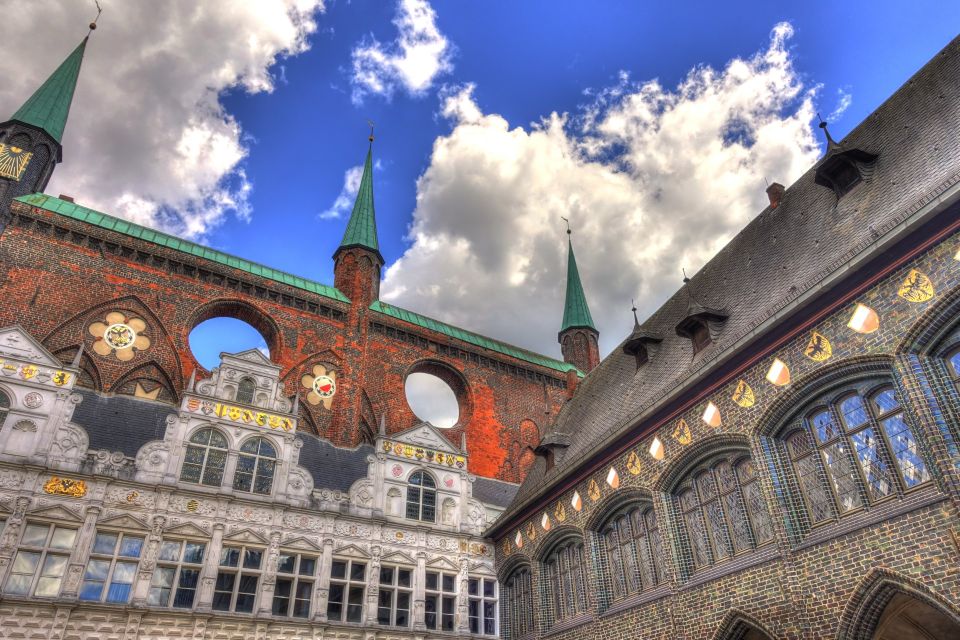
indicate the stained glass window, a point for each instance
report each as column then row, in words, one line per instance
column 255, row 466
column 422, row 497
column 723, row 511
column 245, row 391
column 205, row 458
column 865, row 451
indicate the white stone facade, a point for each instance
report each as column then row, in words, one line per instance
column 99, row 544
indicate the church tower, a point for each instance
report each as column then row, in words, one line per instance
column 578, row 337
column 30, row 140
column 357, row 261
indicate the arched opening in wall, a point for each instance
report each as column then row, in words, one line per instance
column 437, row 394
column 212, row 337
column 906, row 618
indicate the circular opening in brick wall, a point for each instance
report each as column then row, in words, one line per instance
column 437, row 394
column 212, row 337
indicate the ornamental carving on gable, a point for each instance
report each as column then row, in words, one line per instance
column 119, row 335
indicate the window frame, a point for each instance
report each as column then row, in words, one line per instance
column 179, row 566
column 239, row 571
column 517, row 602
column 440, row 596
column 648, row 573
column 422, row 491
column 394, row 590
column 481, row 600
column 259, row 459
column 45, row 550
column 253, row 390
column 296, row 578
column 564, row 568
column 112, row 559
column 206, row 448
column 347, row 583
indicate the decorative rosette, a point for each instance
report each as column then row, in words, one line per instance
column 321, row 386
column 120, row 335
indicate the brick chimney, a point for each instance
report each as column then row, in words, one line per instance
column 775, row 193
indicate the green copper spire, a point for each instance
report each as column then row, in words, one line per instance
column 576, row 313
column 362, row 227
column 49, row 106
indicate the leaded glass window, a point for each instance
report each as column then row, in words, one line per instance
column 256, row 465
column 953, row 367
column 854, row 449
column 722, row 510
column 4, row 406
column 566, row 580
column 245, row 391
column 631, row 548
column 205, row 458
column 518, row 603
column 422, row 497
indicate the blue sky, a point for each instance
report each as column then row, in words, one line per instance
column 234, row 123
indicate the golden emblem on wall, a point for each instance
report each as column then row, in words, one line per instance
column 193, row 505
column 531, row 531
column 743, row 395
column 633, row 463
column 65, row 487
column 819, row 348
column 593, row 490
column 682, row 433
column 321, row 386
column 917, row 287
column 506, row 547
column 13, row 161
column 119, row 335
column 560, row 512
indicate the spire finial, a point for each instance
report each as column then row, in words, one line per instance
column 93, row 25
column 686, row 278
column 370, row 122
column 568, row 224
column 633, row 307
column 823, row 125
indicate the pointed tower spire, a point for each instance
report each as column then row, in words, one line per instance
column 49, row 106
column 578, row 335
column 357, row 261
column 30, row 139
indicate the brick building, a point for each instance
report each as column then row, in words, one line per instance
column 295, row 496
column 774, row 452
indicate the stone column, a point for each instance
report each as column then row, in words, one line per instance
column 132, row 629
column 229, row 471
column 78, row 557
column 323, row 588
column 269, row 583
column 419, row 581
column 11, row 535
column 463, row 598
column 208, row 575
column 148, row 563
column 373, row 585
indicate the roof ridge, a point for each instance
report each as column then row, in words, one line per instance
column 113, row 223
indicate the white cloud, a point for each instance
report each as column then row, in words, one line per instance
column 147, row 137
column 412, row 61
column 844, row 100
column 344, row 201
column 653, row 179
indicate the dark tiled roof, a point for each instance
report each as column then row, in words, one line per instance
column 495, row 492
column 330, row 466
column 779, row 256
column 120, row 423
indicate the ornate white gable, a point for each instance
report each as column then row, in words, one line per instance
column 125, row 521
column 443, row 564
column 427, row 436
column 187, row 529
column 246, row 535
column 57, row 512
column 17, row 343
column 250, row 356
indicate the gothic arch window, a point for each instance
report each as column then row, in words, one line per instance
column 245, row 390
column 422, row 497
column 953, row 366
column 564, row 580
column 722, row 511
column 4, row 406
column 256, row 465
column 205, row 459
column 517, row 603
column 852, row 449
column 632, row 551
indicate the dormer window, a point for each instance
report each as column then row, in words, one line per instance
column 842, row 168
column 548, row 447
column 696, row 325
column 245, row 391
column 638, row 345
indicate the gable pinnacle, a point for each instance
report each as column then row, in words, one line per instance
column 576, row 313
column 49, row 106
column 361, row 229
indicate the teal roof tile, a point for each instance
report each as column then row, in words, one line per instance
column 362, row 226
column 102, row 220
column 576, row 313
column 49, row 105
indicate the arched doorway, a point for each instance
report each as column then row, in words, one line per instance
column 906, row 618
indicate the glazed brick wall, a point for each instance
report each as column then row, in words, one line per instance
column 59, row 275
column 805, row 584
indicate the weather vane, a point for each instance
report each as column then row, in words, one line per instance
column 93, row 25
column 370, row 122
column 568, row 224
